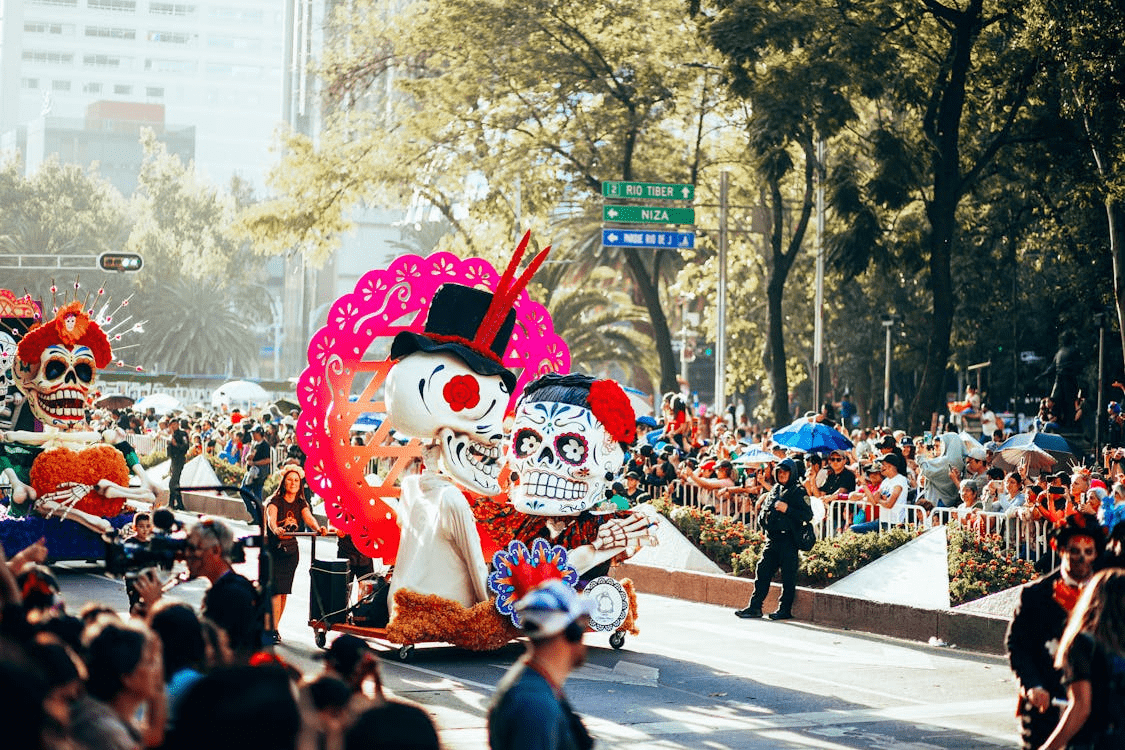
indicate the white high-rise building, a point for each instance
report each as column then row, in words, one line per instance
column 218, row 66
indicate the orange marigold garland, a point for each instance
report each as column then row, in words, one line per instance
column 55, row 468
column 428, row 618
column 630, row 624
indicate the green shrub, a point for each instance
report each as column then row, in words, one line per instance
column 979, row 565
column 745, row 563
column 831, row 559
column 228, row 474
column 153, row 459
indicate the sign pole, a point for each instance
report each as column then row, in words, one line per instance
column 818, row 305
column 721, row 317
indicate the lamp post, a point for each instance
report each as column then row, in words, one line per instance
column 276, row 314
column 888, row 324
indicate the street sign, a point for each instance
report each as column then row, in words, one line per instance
column 648, row 215
column 120, row 262
column 648, row 191
column 642, row 238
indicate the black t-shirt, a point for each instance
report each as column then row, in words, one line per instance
column 1086, row 660
column 261, row 452
column 232, row 604
column 178, row 448
column 833, row 483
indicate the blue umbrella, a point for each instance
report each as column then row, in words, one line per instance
column 808, row 435
column 1053, row 444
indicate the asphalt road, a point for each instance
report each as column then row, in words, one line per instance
column 696, row 677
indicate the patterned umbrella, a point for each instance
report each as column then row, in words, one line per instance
column 806, row 434
column 1037, row 459
column 1054, row 445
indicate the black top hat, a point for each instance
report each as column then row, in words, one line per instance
column 474, row 324
column 454, row 318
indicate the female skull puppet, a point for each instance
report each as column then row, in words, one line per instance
column 449, row 388
column 568, row 444
column 62, row 471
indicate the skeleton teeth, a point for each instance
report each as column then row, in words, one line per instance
column 543, row 484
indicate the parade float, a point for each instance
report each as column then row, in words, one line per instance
column 66, row 484
column 437, row 351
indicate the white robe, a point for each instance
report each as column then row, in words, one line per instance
column 439, row 551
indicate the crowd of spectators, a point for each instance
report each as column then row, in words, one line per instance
column 886, row 478
column 169, row 676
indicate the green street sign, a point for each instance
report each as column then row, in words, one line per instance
column 648, row 191
column 648, row 215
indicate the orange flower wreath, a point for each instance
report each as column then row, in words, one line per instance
column 428, row 618
column 59, row 466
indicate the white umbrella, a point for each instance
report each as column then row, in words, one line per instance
column 160, row 403
column 754, row 455
column 239, row 392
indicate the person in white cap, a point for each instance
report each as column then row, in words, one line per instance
column 529, row 710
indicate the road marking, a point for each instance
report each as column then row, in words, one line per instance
column 830, row 723
column 837, row 654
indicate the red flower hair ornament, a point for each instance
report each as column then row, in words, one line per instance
column 612, row 407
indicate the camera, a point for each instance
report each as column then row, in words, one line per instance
column 167, row 545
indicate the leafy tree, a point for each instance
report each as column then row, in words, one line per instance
column 61, row 209
column 782, row 63
column 957, row 97
column 196, row 326
column 200, row 289
column 599, row 323
column 497, row 135
column 1082, row 42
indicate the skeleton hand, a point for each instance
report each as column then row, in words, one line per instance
column 621, row 533
column 67, row 493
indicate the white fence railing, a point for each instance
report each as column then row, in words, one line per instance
column 1021, row 537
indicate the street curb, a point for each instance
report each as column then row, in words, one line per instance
column 971, row 632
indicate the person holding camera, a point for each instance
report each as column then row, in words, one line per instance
column 232, row 600
column 286, row 509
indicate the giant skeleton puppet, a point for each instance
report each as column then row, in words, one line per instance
column 568, row 444
column 62, row 471
column 449, row 388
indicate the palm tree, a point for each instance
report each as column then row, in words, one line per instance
column 197, row 326
column 600, row 323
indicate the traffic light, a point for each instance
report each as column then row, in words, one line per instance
column 120, row 262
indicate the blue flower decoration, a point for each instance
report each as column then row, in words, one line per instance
column 518, row 569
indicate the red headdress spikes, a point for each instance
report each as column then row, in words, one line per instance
column 504, row 296
column 71, row 325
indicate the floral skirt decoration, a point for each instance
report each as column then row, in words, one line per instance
column 428, row 618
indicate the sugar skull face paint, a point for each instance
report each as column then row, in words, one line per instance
column 561, row 455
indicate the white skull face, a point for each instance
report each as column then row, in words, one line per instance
column 7, row 361
column 562, row 455
column 58, row 386
column 435, row 396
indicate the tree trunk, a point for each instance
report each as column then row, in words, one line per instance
column 942, row 126
column 1113, row 215
column 775, row 341
column 930, row 396
column 661, row 336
